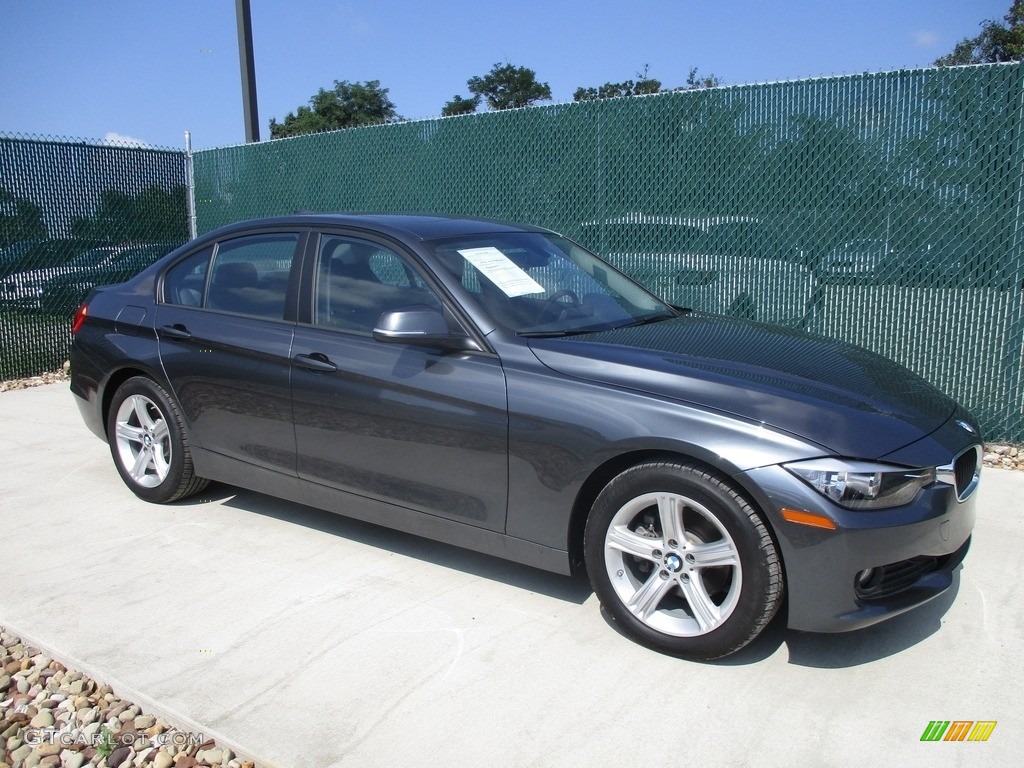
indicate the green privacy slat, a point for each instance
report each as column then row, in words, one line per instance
column 885, row 209
column 73, row 213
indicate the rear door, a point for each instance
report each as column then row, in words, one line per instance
column 225, row 329
column 415, row 426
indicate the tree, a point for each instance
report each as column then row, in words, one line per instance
column 644, row 84
column 20, row 219
column 347, row 105
column 997, row 42
column 460, row 105
column 694, row 82
column 509, row 87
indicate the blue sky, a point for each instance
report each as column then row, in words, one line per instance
column 150, row 69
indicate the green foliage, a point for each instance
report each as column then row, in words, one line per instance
column 695, row 81
column 509, row 87
column 20, row 220
column 460, row 105
column 107, row 743
column 347, row 105
column 997, row 42
column 606, row 91
column 616, row 90
column 644, row 84
column 154, row 215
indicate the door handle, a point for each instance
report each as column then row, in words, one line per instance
column 176, row 331
column 315, row 362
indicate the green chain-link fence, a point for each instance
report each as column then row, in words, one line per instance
column 885, row 209
column 72, row 215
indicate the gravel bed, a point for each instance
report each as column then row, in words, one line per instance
column 50, row 377
column 53, row 716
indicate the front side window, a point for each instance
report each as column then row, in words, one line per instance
column 357, row 281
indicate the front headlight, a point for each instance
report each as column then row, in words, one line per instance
column 863, row 485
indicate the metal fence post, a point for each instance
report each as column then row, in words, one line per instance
column 190, row 181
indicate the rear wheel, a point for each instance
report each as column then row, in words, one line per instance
column 681, row 562
column 148, row 443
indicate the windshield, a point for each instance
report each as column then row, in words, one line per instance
column 539, row 284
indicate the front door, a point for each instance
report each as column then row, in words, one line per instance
column 419, row 427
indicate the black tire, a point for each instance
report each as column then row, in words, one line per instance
column 703, row 594
column 149, row 444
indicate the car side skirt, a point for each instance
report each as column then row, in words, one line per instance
column 234, row 472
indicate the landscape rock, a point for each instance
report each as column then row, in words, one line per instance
column 43, row 720
column 118, row 756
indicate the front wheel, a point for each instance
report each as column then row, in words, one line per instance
column 148, row 443
column 681, row 562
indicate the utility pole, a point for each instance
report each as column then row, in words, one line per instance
column 249, row 108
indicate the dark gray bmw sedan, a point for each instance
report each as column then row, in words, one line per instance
column 498, row 387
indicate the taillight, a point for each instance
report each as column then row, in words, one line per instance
column 79, row 318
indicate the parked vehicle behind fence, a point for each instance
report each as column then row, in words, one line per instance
column 30, row 255
column 733, row 265
column 63, row 292
column 58, row 289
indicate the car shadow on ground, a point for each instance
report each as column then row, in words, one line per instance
column 851, row 649
column 841, row 649
column 807, row 649
column 571, row 589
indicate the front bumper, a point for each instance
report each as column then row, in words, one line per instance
column 913, row 549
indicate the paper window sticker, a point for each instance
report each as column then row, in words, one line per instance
column 510, row 278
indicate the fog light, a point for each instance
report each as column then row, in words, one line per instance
column 864, row 577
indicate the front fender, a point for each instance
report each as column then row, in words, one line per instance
column 562, row 430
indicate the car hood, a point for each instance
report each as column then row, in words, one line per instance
column 850, row 401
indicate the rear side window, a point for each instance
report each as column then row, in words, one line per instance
column 185, row 282
column 244, row 276
column 249, row 275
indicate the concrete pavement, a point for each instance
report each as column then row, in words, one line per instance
column 304, row 639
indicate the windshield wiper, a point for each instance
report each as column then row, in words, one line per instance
column 644, row 321
column 554, row 334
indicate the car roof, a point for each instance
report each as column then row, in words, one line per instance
column 402, row 226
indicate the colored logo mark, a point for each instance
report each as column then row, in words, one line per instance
column 958, row 730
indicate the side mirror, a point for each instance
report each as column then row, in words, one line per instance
column 412, row 326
